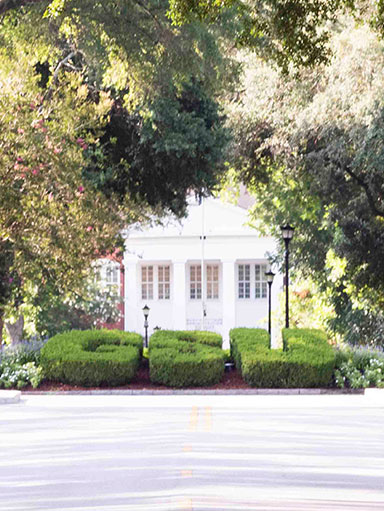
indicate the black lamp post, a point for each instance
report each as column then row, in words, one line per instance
column 146, row 312
column 287, row 231
column 269, row 274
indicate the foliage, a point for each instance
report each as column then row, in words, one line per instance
column 19, row 365
column 66, row 191
column 19, row 376
column 307, row 361
column 290, row 32
column 165, row 338
column 23, row 352
column 175, row 149
column 359, row 368
column 186, row 358
column 92, row 357
column 312, row 155
column 55, row 313
column 309, row 307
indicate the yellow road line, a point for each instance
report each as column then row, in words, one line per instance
column 185, row 505
column 194, row 418
column 208, row 418
column 187, row 448
column 186, row 473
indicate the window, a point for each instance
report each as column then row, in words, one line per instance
column 107, row 275
column 251, row 281
column 195, row 282
column 163, row 282
column 147, row 282
column 112, row 275
column 260, row 281
column 244, row 282
column 212, row 281
column 156, row 282
column 211, row 278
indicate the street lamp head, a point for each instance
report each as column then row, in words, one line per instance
column 146, row 310
column 287, row 232
column 269, row 275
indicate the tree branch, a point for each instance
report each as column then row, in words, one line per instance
column 371, row 201
column 48, row 94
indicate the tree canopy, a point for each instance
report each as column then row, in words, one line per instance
column 311, row 148
column 109, row 115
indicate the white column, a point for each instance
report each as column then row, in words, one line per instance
column 277, row 289
column 229, row 299
column 131, row 300
column 179, row 295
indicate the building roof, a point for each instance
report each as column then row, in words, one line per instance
column 211, row 216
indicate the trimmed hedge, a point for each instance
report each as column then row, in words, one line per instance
column 186, row 358
column 307, row 362
column 92, row 357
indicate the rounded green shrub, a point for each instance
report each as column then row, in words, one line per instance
column 186, row 358
column 308, row 360
column 92, row 357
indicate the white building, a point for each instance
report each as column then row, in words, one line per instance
column 205, row 273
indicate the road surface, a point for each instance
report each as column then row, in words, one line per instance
column 185, row 453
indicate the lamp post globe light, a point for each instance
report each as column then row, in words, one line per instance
column 269, row 275
column 146, row 310
column 287, row 232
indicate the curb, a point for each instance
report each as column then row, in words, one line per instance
column 199, row 392
column 9, row 397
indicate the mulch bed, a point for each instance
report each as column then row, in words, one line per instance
column 231, row 380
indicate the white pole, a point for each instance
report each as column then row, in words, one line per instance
column 202, row 265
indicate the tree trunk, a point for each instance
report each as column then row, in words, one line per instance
column 15, row 330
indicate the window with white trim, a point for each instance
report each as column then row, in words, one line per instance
column 112, row 275
column 195, row 282
column 244, row 280
column 212, row 281
column 164, row 282
column 251, row 281
column 260, row 281
column 147, row 282
column 107, row 274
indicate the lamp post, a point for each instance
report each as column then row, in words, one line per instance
column 146, row 312
column 287, row 232
column 269, row 275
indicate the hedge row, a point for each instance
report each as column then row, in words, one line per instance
column 186, row 358
column 92, row 357
column 308, row 360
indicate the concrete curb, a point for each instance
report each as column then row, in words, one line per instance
column 199, row 392
column 9, row 397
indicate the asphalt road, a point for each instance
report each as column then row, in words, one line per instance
column 184, row 453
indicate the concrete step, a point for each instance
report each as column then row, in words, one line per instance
column 9, row 396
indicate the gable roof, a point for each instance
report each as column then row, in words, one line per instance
column 211, row 216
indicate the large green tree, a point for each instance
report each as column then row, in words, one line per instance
column 311, row 148
column 99, row 101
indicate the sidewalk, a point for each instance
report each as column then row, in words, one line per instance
column 14, row 396
column 200, row 392
column 9, row 396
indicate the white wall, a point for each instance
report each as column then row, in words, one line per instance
column 228, row 241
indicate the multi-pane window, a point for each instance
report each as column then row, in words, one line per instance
column 211, row 278
column 212, row 281
column 260, row 281
column 147, row 282
column 195, row 282
column 107, row 275
column 112, row 275
column 251, row 281
column 163, row 273
column 244, row 280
